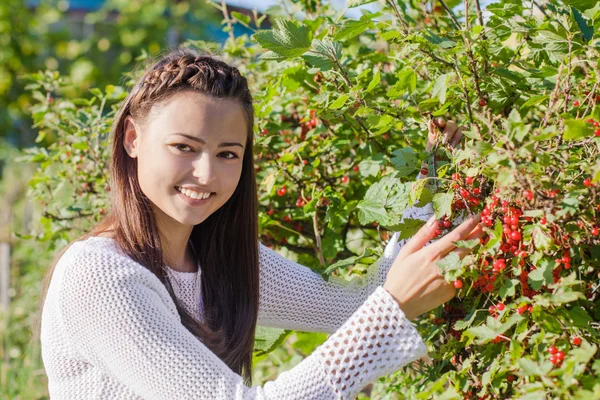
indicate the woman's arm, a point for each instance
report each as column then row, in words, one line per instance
column 292, row 296
column 119, row 318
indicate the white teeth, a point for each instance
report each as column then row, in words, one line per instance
column 192, row 194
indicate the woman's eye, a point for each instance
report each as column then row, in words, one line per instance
column 182, row 147
column 231, row 154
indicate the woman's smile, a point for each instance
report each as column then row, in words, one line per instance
column 194, row 198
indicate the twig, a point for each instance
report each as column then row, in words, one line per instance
column 227, row 19
column 553, row 96
column 318, row 239
column 449, row 11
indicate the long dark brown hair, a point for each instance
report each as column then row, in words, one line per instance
column 226, row 243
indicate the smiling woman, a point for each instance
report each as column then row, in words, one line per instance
column 198, row 140
column 125, row 313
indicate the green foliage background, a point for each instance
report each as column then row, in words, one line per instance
column 342, row 109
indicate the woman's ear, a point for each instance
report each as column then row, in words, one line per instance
column 131, row 137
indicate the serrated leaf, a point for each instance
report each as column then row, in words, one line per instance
column 440, row 87
column 442, row 204
column 287, row 38
column 405, row 160
column 466, row 244
column 449, row 263
column 268, row 339
column 350, row 29
column 586, row 31
column 542, row 275
column 577, row 129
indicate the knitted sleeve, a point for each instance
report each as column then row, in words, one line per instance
column 293, row 296
column 119, row 317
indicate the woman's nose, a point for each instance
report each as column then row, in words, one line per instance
column 204, row 169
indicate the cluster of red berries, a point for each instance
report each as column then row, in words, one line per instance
column 465, row 193
column 281, row 191
column 596, row 125
column 556, row 356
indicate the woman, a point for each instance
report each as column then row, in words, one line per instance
column 161, row 299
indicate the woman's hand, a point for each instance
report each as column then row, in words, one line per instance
column 451, row 132
column 414, row 279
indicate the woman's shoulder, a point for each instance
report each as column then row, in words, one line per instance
column 99, row 258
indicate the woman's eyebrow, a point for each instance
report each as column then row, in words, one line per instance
column 199, row 140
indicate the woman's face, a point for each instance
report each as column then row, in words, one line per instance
column 191, row 144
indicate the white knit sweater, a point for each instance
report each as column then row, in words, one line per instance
column 111, row 331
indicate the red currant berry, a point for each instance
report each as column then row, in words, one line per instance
column 455, row 177
column 500, row 306
column 345, row 179
column 482, row 102
column 576, row 341
column 587, row 182
column 458, row 284
column 597, row 132
column 552, row 350
column 515, row 235
column 469, row 180
column 576, row 103
column 282, row 191
column 595, row 231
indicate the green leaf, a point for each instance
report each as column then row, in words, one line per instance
column 577, row 129
column 241, row 18
column 432, row 38
column 508, row 287
column 407, row 228
column 586, row 31
column 581, row 4
column 288, row 38
column 535, row 100
column 323, row 54
column 467, row 244
column 442, row 204
column 268, row 339
column 531, row 368
column 374, row 82
column 541, row 239
column 405, row 160
column 339, row 102
column 440, row 87
column 542, row 275
column 449, row 263
column 350, row 29
column 407, row 82
column 566, row 297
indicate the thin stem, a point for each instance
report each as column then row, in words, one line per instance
column 318, row 239
column 452, row 17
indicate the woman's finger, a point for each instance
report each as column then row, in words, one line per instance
column 423, row 235
column 455, row 141
column 445, row 244
column 449, row 131
column 476, row 233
